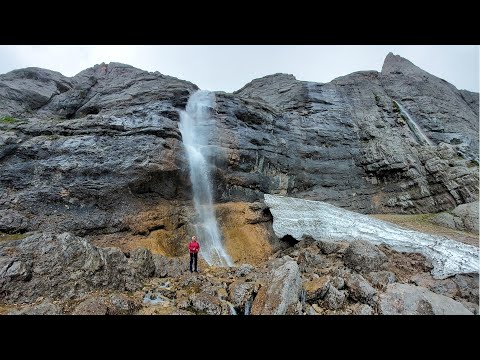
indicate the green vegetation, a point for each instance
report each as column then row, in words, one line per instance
column 377, row 99
column 8, row 119
column 11, row 237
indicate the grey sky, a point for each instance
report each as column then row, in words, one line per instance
column 228, row 68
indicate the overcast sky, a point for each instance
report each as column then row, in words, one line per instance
column 228, row 68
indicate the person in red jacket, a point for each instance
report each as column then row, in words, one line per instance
column 194, row 248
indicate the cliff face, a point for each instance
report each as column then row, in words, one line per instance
column 347, row 142
column 100, row 152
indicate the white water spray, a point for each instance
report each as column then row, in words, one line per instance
column 417, row 131
column 196, row 125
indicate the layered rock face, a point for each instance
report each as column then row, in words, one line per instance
column 347, row 143
column 98, row 154
column 90, row 153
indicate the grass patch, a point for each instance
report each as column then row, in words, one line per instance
column 8, row 120
column 424, row 223
column 11, row 237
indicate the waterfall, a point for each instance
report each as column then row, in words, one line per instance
column 421, row 137
column 196, row 126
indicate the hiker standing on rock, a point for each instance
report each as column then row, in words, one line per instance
column 194, row 248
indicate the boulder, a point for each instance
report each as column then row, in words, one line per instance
column 92, row 306
column 282, row 292
column 335, row 299
column 316, row 289
column 364, row 256
column 46, row 307
column 381, row 279
column 205, row 304
column 64, row 266
column 363, row 309
column 360, row 289
column 404, row 299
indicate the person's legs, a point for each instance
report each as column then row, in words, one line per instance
column 195, row 256
column 191, row 261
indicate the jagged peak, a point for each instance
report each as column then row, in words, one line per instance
column 268, row 79
column 33, row 71
column 103, row 68
column 395, row 64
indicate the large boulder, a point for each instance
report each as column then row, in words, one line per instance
column 463, row 217
column 316, row 289
column 65, row 266
column 91, row 306
column 382, row 278
column 335, row 299
column 404, row 299
column 360, row 289
column 282, row 292
column 364, row 256
column 205, row 304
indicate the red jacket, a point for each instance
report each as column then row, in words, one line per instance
column 193, row 246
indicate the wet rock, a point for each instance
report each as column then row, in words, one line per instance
column 242, row 293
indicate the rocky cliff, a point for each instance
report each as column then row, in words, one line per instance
column 100, row 154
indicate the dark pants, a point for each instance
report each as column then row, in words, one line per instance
column 193, row 258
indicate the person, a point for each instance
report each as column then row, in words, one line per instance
column 194, row 248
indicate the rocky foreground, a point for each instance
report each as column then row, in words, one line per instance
column 65, row 274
